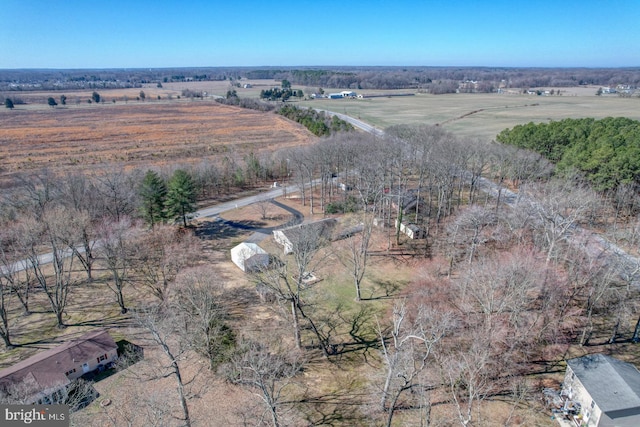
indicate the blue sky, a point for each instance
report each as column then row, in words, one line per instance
column 157, row 33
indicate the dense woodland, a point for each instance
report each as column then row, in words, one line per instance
column 504, row 292
column 606, row 152
column 436, row 79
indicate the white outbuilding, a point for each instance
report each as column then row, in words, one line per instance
column 249, row 257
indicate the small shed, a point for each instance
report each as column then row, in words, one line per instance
column 249, row 257
column 411, row 230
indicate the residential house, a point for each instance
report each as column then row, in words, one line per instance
column 605, row 391
column 41, row 376
column 408, row 200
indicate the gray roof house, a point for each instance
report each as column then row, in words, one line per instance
column 290, row 236
column 606, row 389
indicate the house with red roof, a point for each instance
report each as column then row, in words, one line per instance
column 35, row 379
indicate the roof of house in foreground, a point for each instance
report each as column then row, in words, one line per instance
column 47, row 369
column 613, row 384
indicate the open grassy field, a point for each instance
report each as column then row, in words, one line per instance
column 481, row 115
column 477, row 115
column 136, row 135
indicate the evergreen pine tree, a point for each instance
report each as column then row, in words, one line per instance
column 181, row 196
column 153, row 193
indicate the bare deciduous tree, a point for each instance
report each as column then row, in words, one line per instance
column 5, row 300
column 161, row 254
column 269, row 374
column 78, row 394
column 558, row 208
column 198, row 297
column 467, row 373
column 356, row 255
column 78, row 194
column 167, row 334
column 262, row 207
column 594, row 282
column 14, row 264
column 286, row 278
column 466, row 229
column 118, row 193
column 50, row 230
column 117, row 249
column 406, row 354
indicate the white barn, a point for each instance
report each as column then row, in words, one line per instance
column 249, row 257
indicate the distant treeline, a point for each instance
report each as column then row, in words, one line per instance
column 606, row 152
column 446, row 79
column 432, row 79
column 232, row 98
column 277, row 94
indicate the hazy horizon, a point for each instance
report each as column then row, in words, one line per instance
column 41, row 34
column 316, row 67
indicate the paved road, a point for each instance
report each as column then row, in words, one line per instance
column 213, row 211
column 355, row 122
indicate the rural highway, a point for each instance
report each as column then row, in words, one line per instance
column 355, row 122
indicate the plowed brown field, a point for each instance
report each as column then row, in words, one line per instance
column 137, row 135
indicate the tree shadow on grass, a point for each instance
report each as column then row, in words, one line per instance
column 216, row 230
column 245, row 224
column 349, row 337
column 339, row 407
column 325, row 411
column 115, row 321
column 384, row 289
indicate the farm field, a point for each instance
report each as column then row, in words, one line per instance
column 136, row 135
column 481, row 115
column 476, row 115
